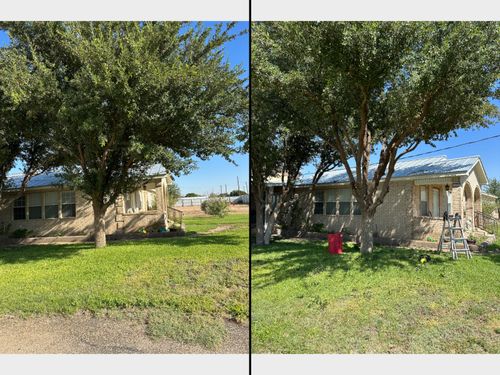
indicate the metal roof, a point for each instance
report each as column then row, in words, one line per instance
column 432, row 166
column 53, row 178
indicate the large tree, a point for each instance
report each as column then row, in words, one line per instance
column 386, row 86
column 133, row 94
column 282, row 142
column 24, row 133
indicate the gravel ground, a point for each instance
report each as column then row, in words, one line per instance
column 86, row 333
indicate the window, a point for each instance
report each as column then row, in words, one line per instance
column 20, row 208
column 331, row 203
column 35, row 206
column 424, row 206
column 152, row 205
column 344, row 201
column 318, row 202
column 51, row 205
column 355, row 207
column 133, row 202
column 435, row 202
column 68, row 207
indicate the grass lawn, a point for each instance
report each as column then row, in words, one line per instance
column 183, row 286
column 306, row 301
column 204, row 223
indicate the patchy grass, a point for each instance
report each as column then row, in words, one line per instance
column 202, row 277
column 199, row 224
column 194, row 328
column 306, row 301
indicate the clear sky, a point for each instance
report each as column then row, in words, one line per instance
column 215, row 172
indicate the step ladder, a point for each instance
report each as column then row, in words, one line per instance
column 453, row 235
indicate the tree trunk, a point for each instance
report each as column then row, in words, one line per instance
column 259, row 222
column 271, row 221
column 366, row 233
column 99, row 225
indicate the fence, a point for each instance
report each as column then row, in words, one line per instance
column 197, row 201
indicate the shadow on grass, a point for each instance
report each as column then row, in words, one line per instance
column 289, row 260
column 493, row 257
column 33, row 253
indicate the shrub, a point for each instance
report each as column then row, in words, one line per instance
column 215, row 206
column 20, row 233
column 317, row 227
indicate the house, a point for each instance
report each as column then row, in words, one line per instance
column 48, row 207
column 421, row 190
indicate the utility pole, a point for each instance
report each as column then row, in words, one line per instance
column 226, row 188
column 238, row 182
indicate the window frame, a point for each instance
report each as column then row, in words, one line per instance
column 41, row 206
column 23, row 197
column 62, row 204
column 58, row 196
column 423, row 188
column 316, row 202
column 339, row 190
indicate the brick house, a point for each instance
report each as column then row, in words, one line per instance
column 421, row 190
column 50, row 208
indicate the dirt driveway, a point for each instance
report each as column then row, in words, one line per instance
column 86, row 333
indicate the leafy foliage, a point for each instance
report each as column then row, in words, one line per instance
column 283, row 140
column 389, row 85
column 24, row 132
column 215, row 206
column 493, row 188
column 237, row 193
column 174, row 193
column 123, row 96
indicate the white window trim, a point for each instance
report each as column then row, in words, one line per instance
column 59, row 211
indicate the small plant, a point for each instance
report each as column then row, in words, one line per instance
column 20, row 233
column 5, row 228
column 215, row 206
column 430, row 239
column 317, row 227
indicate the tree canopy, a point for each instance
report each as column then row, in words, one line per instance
column 25, row 135
column 385, row 86
column 282, row 135
column 123, row 96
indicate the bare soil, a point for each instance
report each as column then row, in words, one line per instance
column 86, row 333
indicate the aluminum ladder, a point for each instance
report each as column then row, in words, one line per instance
column 450, row 240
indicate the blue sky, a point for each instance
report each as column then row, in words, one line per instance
column 215, row 172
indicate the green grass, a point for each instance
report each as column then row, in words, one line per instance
column 205, row 223
column 306, row 301
column 172, row 278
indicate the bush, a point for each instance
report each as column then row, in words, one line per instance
column 215, row 206
column 20, row 233
column 237, row 193
column 317, row 227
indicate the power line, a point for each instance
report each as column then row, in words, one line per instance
column 447, row 148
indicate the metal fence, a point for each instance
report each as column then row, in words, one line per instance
column 197, row 201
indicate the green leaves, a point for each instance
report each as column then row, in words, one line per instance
column 126, row 95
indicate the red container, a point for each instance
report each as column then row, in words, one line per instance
column 335, row 243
